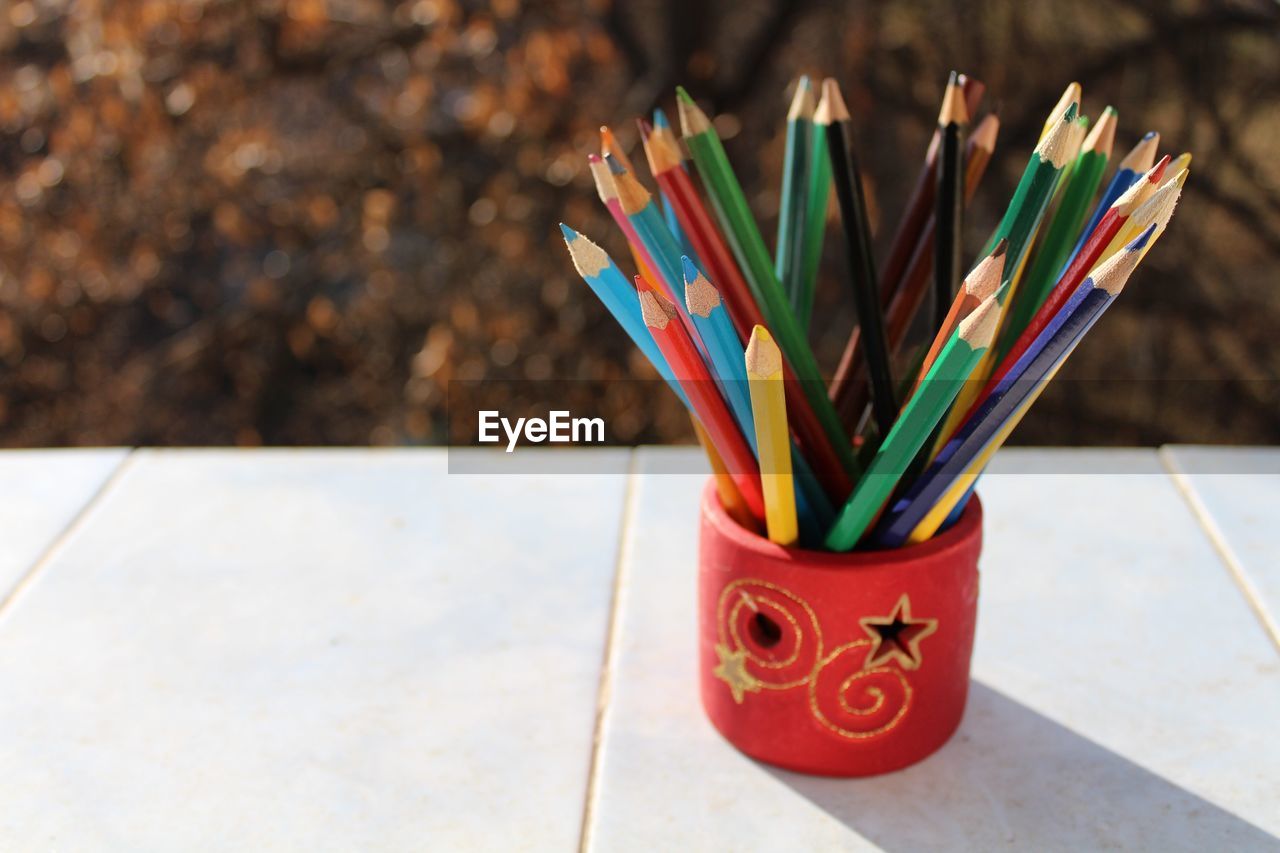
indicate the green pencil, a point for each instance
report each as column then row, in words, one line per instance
column 817, row 197
column 739, row 227
column 1079, row 191
column 921, row 414
column 788, row 254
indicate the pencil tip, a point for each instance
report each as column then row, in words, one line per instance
column 1001, row 248
column 980, row 326
column 1143, row 154
column 660, row 118
column 954, row 110
column 831, row 108
column 988, row 129
column 700, row 295
column 693, row 120
column 569, row 233
column 691, row 271
column 763, row 358
column 802, row 104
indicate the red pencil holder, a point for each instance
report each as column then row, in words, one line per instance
column 835, row 664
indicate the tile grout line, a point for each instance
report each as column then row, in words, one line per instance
column 64, row 535
column 1220, row 544
column 604, row 694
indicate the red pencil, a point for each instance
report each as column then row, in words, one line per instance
column 661, row 318
column 663, row 151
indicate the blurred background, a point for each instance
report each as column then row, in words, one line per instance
column 296, row 221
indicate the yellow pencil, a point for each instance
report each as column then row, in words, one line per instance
column 769, row 411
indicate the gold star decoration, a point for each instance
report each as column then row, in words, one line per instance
column 897, row 636
column 733, row 672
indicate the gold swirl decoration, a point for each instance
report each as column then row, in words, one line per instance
column 768, row 638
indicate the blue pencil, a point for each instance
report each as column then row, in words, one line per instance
column 1134, row 165
column 618, row 295
column 1035, row 367
column 728, row 366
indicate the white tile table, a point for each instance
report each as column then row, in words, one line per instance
column 386, row 650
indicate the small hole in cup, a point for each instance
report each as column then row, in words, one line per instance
column 764, row 631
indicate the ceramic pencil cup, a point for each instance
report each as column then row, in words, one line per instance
column 835, row 664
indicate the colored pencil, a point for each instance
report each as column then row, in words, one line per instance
column 663, row 152
column 949, row 212
column 763, row 362
column 982, row 282
column 817, row 198
column 660, row 316
column 788, row 256
column 734, row 214
column 611, row 287
column 1032, row 370
column 849, row 389
column 1134, row 165
column 1056, row 245
column 912, row 429
column 832, row 118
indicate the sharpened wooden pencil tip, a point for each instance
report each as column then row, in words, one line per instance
column 606, row 186
column 631, row 193
column 1056, row 146
column 984, row 136
column 1143, row 154
column 953, row 105
column 1142, row 189
column 1112, row 274
column 1103, row 135
column 763, row 358
column 803, row 104
column 700, row 295
column 692, row 119
column 979, row 327
column 1158, row 209
column 831, row 108
column 655, row 308
column 588, row 258
column 662, row 150
column 984, row 280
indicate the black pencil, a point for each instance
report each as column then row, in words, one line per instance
column 833, row 116
column 950, row 209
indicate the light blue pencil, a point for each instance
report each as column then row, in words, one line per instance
column 618, row 295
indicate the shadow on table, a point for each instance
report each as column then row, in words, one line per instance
column 1011, row 778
